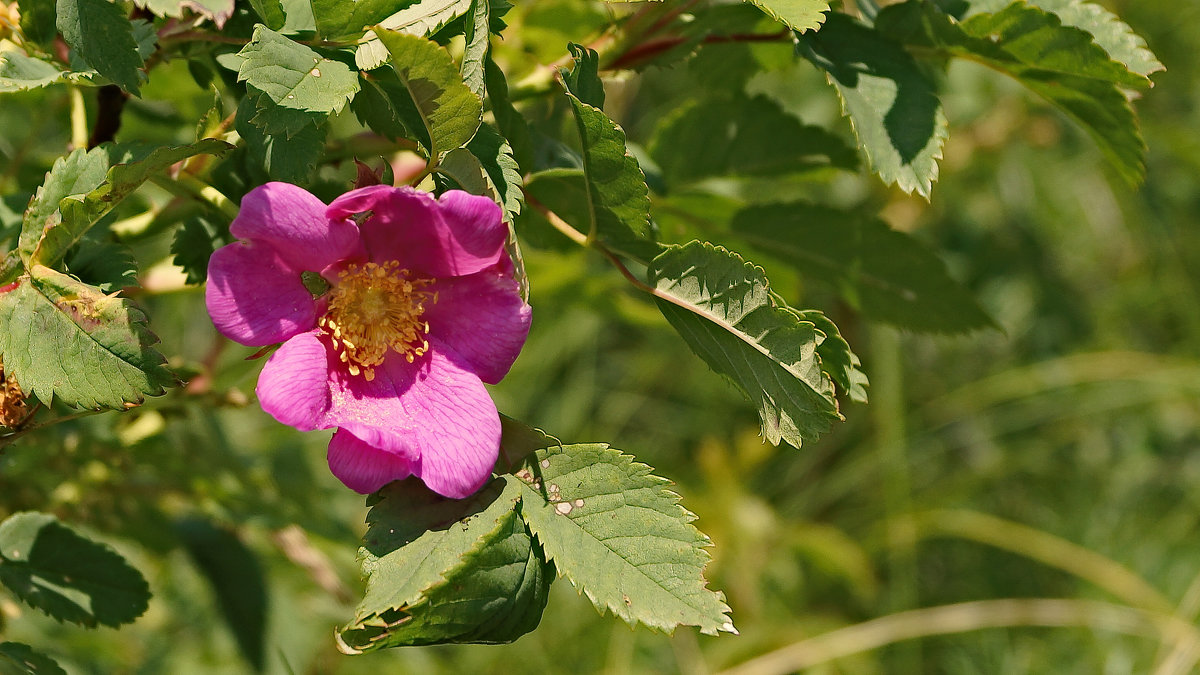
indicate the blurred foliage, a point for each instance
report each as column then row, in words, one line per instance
column 1073, row 427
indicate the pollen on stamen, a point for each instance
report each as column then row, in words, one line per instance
column 373, row 309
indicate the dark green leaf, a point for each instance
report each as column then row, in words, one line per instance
column 299, row 86
column 892, row 107
column 70, row 577
column 562, row 191
column 103, row 36
column 237, row 580
column 486, row 167
column 887, row 274
column 193, row 245
column 509, row 120
column 271, row 13
column 723, row 308
column 621, row 537
column 106, row 265
column 293, row 159
column 348, row 19
column 837, row 361
column 584, row 79
column 799, row 15
column 449, row 111
column 477, row 37
column 419, row 19
column 21, row 659
column 384, row 105
column 67, row 340
column 38, row 21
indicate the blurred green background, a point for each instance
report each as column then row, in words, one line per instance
column 1054, row 458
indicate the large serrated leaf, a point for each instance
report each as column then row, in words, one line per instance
column 76, row 174
column 1061, row 63
column 886, row 274
column 300, row 85
column 103, row 36
column 893, row 108
column 64, row 339
column 494, row 595
column 486, row 167
column 292, row 160
column 17, row 658
column 416, row 537
column 420, row 19
column 70, row 577
column 799, row 15
column 46, row 238
column 449, row 111
column 19, row 72
column 723, row 308
column 621, row 537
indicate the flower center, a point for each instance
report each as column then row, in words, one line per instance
column 374, row 308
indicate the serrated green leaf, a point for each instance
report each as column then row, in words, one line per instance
column 893, row 108
column 618, row 201
column 217, row 11
column 494, row 595
column 38, row 21
column 584, row 79
column 886, row 274
column 837, row 360
column 76, row 174
column 723, row 308
column 419, row 19
column 509, row 120
column 1060, row 63
column 236, row 577
column 293, row 159
column 21, row 659
column 193, row 245
column 621, row 537
column 298, row 85
column 64, row 339
column 1112, row 34
column 486, row 167
column 46, row 239
column 107, row 265
column 271, row 12
column 103, row 36
column 746, row 137
column 477, row 40
column 383, row 104
column 19, row 72
column 449, row 111
column 343, row 20
column 799, row 15
column 415, row 537
column 66, row 575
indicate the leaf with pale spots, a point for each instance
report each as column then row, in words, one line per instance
column 66, row 575
column 621, row 537
column 63, row 339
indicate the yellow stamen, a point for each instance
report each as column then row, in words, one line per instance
column 374, row 308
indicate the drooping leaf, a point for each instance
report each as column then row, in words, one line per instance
column 893, row 108
column 103, row 36
column 419, row 19
column 1061, row 63
column 64, row 339
column 194, row 244
column 449, row 111
column 19, row 72
column 584, row 79
column 621, row 537
column 799, row 15
column 495, row 594
column 299, row 86
column 20, row 659
column 66, row 575
column 51, row 236
column 746, row 137
column 723, row 308
column 477, row 39
column 237, row 581
column 887, row 274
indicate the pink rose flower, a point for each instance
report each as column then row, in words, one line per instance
column 422, row 309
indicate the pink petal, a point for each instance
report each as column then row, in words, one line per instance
column 460, row 234
column 361, row 467
column 256, row 298
column 294, row 384
column 482, row 318
column 433, row 412
column 292, row 221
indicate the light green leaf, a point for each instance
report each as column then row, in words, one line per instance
column 477, row 37
column 64, row 339
column 217, row 11
column 449, row 111
column 420, row 19
column 887, row 274
column 343, row 20
column 893, row 108
column 22, row 659
column 621, row 537
column 76, row 174
column 299, row 86
column 70, row 577
column 19, row 72
column 723, row 308
column 495, row 594
column 78, row 212
column 103, row 36
column 799, row 15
